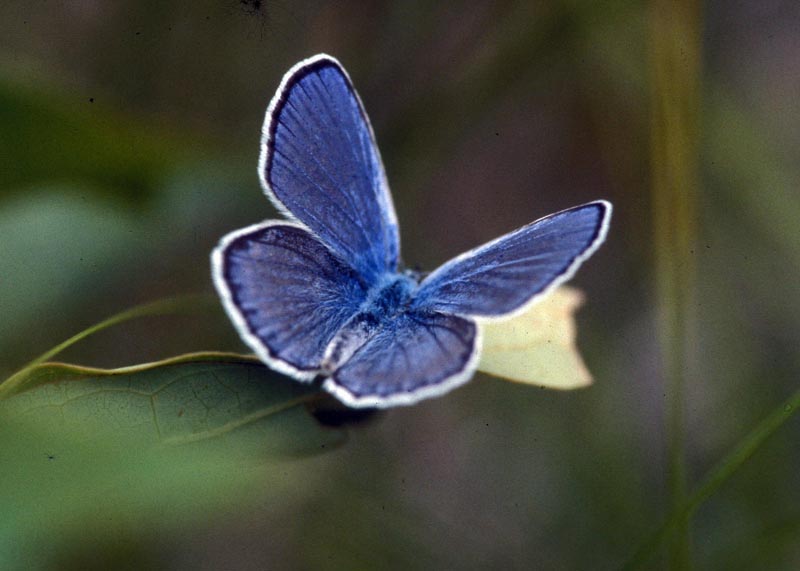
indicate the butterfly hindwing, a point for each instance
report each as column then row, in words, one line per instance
column 506, row 274
column 415, row 355
column 320, row 165
column 286, row 292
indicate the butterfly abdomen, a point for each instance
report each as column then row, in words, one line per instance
column 384, row 301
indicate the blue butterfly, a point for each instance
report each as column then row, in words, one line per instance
column 322, row 294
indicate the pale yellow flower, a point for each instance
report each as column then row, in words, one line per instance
column 538, row 347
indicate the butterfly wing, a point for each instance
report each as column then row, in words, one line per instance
column 416, row 355
column 286, row 293
column 505, row 275
column 320, row 165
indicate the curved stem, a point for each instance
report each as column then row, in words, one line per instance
column 167, row 306
column 715, row 479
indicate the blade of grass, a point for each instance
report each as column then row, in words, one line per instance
column 728, row 466
column 674, row 99
column 167, row 306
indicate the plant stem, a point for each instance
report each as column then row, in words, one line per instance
column 674, row 98
column 716, row 478
column 166, row 306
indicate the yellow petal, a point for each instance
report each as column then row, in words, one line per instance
column 538, row 346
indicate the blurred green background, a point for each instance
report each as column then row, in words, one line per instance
column 128, row 145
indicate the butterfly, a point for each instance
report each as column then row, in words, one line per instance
column 321, row 294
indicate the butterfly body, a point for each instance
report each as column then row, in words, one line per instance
column 390, row 295
column 321, row 293
column 385, row 301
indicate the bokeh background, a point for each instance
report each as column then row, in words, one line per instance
column 128, row 145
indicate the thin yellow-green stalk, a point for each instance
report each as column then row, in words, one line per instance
column 166, row 306
column 674, row 99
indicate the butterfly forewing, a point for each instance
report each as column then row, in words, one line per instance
column 503, row 276
column 321, row 165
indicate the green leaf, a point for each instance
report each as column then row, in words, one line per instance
column 191, row 398
column 156, row 444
